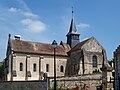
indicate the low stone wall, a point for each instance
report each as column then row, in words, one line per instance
column 89, row 82
column 24, row 85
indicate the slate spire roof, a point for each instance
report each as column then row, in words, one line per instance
column 72, row 29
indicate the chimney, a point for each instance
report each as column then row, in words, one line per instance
column 17, row 37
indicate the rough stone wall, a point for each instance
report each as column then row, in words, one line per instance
column 89, row 63
column 118, row 63
column 89, row 81
column 92, row 48
column 75, row 65
column 24, row 85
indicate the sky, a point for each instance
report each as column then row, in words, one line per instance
column 46, row 20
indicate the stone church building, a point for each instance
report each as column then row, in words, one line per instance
column 26, row 60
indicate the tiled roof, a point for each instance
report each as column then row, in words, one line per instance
column 36, row 48
column 65, row 45
column 79, row 45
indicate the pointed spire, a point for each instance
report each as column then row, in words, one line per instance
column 72, row 29
column 72, row 26
column 72, row 35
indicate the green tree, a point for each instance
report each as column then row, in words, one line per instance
column 1, row 71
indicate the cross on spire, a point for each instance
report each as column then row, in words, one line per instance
column 72, row 11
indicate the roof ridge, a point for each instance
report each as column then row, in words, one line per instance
column 31, row 41
column 87, row 39
column 80, row 44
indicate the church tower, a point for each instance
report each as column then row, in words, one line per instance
column 72, row 36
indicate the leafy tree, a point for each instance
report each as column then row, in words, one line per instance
column 1, row 71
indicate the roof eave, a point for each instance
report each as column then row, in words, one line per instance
column 51, row 54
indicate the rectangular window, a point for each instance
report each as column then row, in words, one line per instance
column 61, row 68
column 94, row 61
column 21, row 66
column 34, row 67
column 47, row 67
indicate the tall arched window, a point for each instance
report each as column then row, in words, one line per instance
column 61, row 68
column 47, row 67
column 94, row 60
column 34, row 67
column 21, row 66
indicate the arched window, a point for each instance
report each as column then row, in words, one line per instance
column 47, row 67
column 94, row 60
column 34, row 67
column 61, row 68
column 21, row 66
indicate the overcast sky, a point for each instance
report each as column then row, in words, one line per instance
column 46, row 20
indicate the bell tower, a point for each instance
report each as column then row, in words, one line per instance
column 72, row 36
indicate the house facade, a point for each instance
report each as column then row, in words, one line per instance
column 26, row 60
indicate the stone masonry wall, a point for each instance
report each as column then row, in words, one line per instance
column 24, row 85
column 88, row 81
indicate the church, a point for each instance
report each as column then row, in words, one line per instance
column 28, row 60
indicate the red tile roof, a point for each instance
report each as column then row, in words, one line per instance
column 36, row 48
